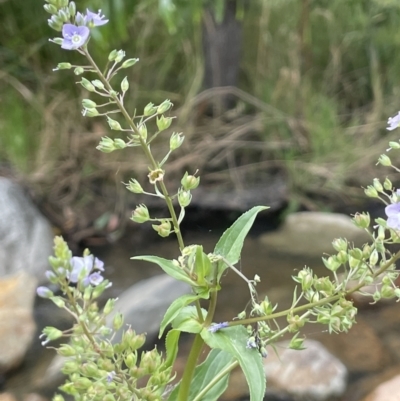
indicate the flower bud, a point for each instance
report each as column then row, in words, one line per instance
column 56, row 25
column 373, row 259
column 124, row 85
column 70, row 367
column 176, row 141
column 63, row 66
column 140, row 214
column 112, row 56
column 52, row 333
column 387, row 292
column 72, row 8
column 184, row 197
column 50, row 8
column 63, row 15
column 106, row 145
column 120, row 56
column 362, row 220
column 66, row 350
column 58, row 301
column 119, row 143
column 340, row 244
column 296, row 343
column 44, row 292
column 129, row 63
column 137, row 341
column 164, row 229
column 266, row 307
column 130, row 360
column 190, row 182
column 371, row 192
column 98, row 84
column 134, row 187
column 385, row 160
column 387, row 184
column 342, row 257
column 377, row 185
column 306, row 279
column 118, row 321
column 114, row 125
column 79, row 70
column 149, row 110
column 88, row 104
column 163, row 123
column 90, row 112
column 331, row 263
column 143, row 131
column 164, row 106
column 87, row 85
column 58, row 397
column 83, row 383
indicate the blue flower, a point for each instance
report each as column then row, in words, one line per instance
column 94, row 19
column 44, row 292
column 82, row 269
column 74, row 36
column 217, row 326
column 394, row 122
column 393, row 214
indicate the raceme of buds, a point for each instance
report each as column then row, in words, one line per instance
column 87, row 85
column 340, row 244
column 106, row 145
column 163, row 229
column 142, row 131
column 88, row 104
column 377, row 185
column 371, row 192
column 149, row 110
column 362, row 220
column 385, row 160
column 120, row 55
column 164, row 106
column 124, row 85
column 387, row 184
column 140, row 214
column 184, row 197
column 134, row 187
column 79, row 71
column 98, row 84
column 114, row 125
column 190, row 182
column 129, row 63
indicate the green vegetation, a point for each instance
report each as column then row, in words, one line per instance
column 323, row 76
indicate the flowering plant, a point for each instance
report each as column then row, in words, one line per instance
column 99, row 368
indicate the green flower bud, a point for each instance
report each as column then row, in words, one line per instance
column 163, row 123
column 90, row 113
column 66, row 350
column 114, row 125
column 124, row 85
column 190, row 182
column 134, row 187
column 63, row 66
column 69, row 388
column 387, row 292
column 98, row 84
column 57, row 26
column 106, row 145
column 331, row 263
column 323, row 284
column 98, row 290
column 50, row 8
column 58, row 397
column 87, row 85
column 143, row 131
column 87, row 294
column 58, row 301
column 387, row 184
column 266, row 307
column 89, row 369
column 164, row 106
column 385, row 160
column 381, row 222
column 52, row 333
column 63, row 15
column 130, row 360
column 377, row 185
column 83, row 383
column 371, row 192
column 70, row 367
column 72, row 8
column 79, row 70
column 120, row 56
column 119, row 143
column 242, row 315
column 373, row 259
column 163, row 229
column 184, row 197
column 140, row 214
column 113, row 94
column 297, row 343
column 295, row 323
column 149, row 110
column 112, row 56
column 176, row 141
column 342, row 257
column 63, row 3
column 130, row 62
column 362, row 220
column 397, row 292
column 88, row 104
column 340, row 244
column 305, row 278
column 137, row 341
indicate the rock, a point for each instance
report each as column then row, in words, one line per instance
column 144, row 304
column 361, row 349
column 387, row 391
column 7, row 397
column 34, row 397
column 17, row 326
column 312, row 233
column 312, row 374
column 26, row 238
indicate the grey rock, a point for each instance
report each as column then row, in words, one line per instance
column 312, row 374
column 26, row 238
column 145, row 303
column 17, row 326
column 312, row 233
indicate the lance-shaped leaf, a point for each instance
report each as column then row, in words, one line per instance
column 210, row 370
column 169, row 267
column 234, row 341
column 188, row 320
column 231, row 243
column 171, row 347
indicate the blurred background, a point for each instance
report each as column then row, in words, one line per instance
column 291, row 94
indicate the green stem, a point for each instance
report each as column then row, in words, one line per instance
column 187, row 377
column 145, row 149
column 316, row 303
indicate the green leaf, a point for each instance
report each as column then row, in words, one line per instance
column 171, row 347
column 169, row 267
column 188, row 320
column 234, row 340
column 217, row 360
column 176, row 306
column 231, row 243
column 203, row 266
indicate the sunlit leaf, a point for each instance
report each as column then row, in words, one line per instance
column 188, row 320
